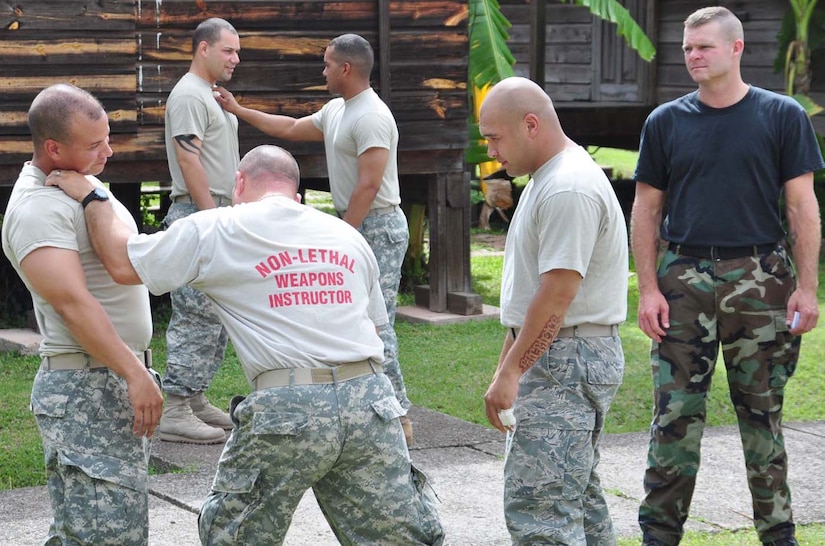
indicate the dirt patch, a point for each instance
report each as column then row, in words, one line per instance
column 490, row 242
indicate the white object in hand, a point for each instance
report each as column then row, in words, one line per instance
column 795, row 321
column 507, row 417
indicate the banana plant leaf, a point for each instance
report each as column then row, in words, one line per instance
column 490, row 59
column 626, row 26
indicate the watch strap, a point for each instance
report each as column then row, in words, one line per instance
column 95, row 195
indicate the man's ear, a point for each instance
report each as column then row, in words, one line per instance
column 531, row 121
column 240, row 185
column 52, row 148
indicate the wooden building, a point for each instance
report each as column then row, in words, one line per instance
column 602, row 89
column 130, row 53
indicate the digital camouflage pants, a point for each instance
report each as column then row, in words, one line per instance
column 195, row 339
column 740, row 304
column 552, row 492
column 388, row 237
column 96, row 469
column 342, row 440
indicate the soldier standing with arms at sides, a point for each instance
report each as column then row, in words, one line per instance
column 94, row 400
column 202, row 149
column 361, row 141
column 563, row 295
column 726, row 276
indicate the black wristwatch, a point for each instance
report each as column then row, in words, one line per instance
column 97, row 194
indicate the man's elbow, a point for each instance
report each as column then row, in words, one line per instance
column 121, row 272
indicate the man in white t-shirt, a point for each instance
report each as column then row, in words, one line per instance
column 202, row 149
column 361, row 142
column 298, row 292
column 563, row 294
column 94, row 401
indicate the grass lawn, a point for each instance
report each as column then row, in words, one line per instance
column 447, row 368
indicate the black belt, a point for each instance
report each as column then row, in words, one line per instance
column 722, row 252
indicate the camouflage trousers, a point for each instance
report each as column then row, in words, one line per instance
column 342, row 440
column 740, row 304
column 96, row 469
column 388, row 237
column 195, row 339
column 552, row 492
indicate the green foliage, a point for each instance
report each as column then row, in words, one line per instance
column 787, row 34
column 623, row 162
column 446, row 368
column 626, row 26
column 414, row 269
column 490, row 61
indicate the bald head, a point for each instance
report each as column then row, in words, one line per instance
column 267, row 165
column 266, row 171
column 513, row 98
column 521, row 126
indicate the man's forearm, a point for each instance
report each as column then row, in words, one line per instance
column 197, row 183
column 806, row 240
column 645, row 245
column 543, row 319
column 644, row 241
column 274, row 125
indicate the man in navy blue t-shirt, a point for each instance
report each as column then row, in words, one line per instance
column 717, row 160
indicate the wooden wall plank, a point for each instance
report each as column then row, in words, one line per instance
column 66, row 47
column 59, row 15
column 308, row 14
column 141, row 49
column 424, row 105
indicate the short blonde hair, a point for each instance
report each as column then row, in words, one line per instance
column 729, row 22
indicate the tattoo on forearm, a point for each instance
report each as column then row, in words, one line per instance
column 187, row 143
column 540, row 345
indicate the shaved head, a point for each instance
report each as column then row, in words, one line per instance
column 268, row 163
column 521, row 126
column 513, row 98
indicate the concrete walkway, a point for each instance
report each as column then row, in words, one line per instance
column 464, row 463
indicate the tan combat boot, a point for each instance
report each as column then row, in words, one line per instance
column 208, row 413
column 179, row 424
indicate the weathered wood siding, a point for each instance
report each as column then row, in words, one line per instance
column 568, row 47
column 131, row 53
column 602, row 93
column 91, row 45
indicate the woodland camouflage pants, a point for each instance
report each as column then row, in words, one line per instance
column 740, row 304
